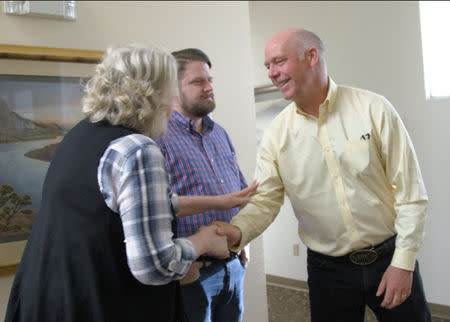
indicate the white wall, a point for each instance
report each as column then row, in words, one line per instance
column 221, row 29
column 373, row 45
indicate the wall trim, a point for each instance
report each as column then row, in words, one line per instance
column 437, row 310
column 287, row 282
column 50, row 54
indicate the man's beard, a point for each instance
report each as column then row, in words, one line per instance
column 198, row 109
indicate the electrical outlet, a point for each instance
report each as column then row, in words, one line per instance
column 296, row 249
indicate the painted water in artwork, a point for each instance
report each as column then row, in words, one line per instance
column 35, row 113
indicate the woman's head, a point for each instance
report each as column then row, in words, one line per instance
column 132, row 86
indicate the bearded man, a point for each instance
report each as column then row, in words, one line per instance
column 201, row 160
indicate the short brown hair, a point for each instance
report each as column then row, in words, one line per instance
column 188, row 55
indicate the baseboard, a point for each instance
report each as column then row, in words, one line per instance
column 440, row 311
column 437, row 310
column 287, row 282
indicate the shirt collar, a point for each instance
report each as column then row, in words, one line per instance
column 188, row 124
column 331, row 94
column 328, row 101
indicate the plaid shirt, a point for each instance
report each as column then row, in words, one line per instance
column 200, row 164
column 134, row 183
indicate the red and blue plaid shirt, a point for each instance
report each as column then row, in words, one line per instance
column 200, row 164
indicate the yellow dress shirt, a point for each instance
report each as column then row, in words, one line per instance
column 351, row 175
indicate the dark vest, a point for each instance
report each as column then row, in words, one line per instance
column 74, row 267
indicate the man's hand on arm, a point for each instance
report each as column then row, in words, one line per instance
column 238, row 198
column 396, row 285
column 190, row 205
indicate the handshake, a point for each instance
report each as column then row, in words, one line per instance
column 216, row 239
column 213, row 240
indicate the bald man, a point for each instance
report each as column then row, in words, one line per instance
column 345, row 160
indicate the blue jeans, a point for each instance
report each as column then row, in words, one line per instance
column 218, row 295
column 340, row 291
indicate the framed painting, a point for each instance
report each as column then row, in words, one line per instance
column 40, row 94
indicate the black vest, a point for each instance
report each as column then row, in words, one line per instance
column 74, row 267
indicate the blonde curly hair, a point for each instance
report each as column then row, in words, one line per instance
column 132, row 86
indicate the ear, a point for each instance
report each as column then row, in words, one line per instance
column 312, row 55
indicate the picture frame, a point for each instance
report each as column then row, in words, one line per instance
column 24, row 70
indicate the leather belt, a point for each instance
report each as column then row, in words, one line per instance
column 367, row 256
column 205, row 258
column 364, row 256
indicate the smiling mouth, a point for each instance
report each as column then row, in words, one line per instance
column 280, row 85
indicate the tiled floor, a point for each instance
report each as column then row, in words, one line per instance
column 292, row 305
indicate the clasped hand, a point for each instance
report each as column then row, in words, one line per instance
column 215, row 245
column 218, row 237
column 209, row 243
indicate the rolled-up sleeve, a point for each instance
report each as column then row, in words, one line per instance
column 135, row 184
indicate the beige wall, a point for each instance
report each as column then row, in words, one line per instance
column 377, row 46
column 219, row 28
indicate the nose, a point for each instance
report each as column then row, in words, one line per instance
column 208, row 86
column 272, row 71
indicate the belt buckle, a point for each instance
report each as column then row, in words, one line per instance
column 363, row 256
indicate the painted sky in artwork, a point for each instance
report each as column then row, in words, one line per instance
column 23, row 162
column 47, row 99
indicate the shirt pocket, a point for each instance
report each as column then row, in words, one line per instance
column 231, row 162
column 357, row 155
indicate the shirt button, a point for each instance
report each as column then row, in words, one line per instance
column 212, row 160
column 221, row 180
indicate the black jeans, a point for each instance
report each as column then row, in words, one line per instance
column 340, row 290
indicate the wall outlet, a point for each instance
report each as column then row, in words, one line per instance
column 296, row 249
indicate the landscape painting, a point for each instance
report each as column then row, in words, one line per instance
column 35, row 113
